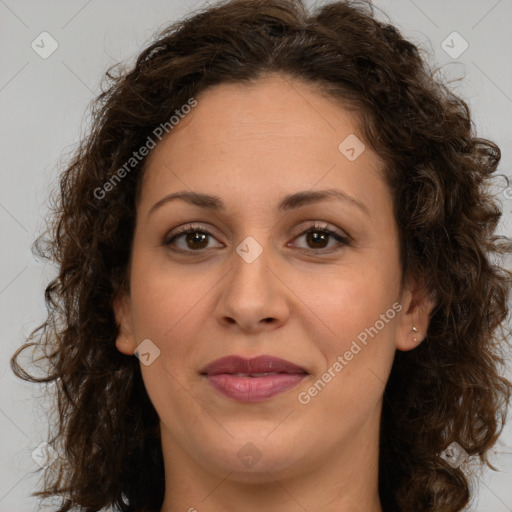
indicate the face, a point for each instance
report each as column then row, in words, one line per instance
column 263, row 271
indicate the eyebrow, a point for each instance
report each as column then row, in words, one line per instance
column 290, row 202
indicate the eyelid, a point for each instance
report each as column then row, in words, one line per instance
column 325, row 226
column 185, row 228
column 342, row 237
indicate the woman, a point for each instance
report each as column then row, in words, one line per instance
column 286, row 219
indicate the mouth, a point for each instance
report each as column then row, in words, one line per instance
column 253, row 380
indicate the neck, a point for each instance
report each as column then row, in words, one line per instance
column 344, row 479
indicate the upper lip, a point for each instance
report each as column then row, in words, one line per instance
column 260, row 364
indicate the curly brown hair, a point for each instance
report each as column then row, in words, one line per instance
column 448, row 389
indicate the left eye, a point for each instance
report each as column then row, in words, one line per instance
column 196, row 238
column 318, row 235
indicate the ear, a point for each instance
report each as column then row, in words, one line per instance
column 125, row 341
column 417, row 305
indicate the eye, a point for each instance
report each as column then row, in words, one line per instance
column 318, row 237
column 195, row 238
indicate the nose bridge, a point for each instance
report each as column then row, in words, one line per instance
column 252, row 294
column 251, row 267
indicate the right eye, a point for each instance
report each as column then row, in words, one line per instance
column 195, row 238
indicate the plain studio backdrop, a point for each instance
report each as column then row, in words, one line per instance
column 45, row 90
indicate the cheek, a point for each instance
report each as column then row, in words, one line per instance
column 356, row 334
column 165, row 309
column 351, row 301
column 163, row 297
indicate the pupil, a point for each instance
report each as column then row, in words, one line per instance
column 316, row 237
column 197, row 236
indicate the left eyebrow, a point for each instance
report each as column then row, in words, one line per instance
column 289, row 202
column 299, row 199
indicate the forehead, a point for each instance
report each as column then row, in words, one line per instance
column 276, row 132
column 273, row 105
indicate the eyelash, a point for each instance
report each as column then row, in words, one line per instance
column 316, row 228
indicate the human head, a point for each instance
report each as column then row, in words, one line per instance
column 422, row 134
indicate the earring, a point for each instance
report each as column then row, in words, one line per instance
column 414, row 329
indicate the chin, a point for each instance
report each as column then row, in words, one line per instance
column 252, row 461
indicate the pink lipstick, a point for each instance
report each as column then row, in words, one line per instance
column 253, row 380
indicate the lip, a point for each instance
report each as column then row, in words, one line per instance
column 224, row 375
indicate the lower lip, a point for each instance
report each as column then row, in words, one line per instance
column 254, row 389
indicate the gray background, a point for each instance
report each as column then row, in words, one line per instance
column 44, row 112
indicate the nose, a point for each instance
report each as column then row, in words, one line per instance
column 254, row 296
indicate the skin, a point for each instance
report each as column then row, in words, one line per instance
column 251, row 146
